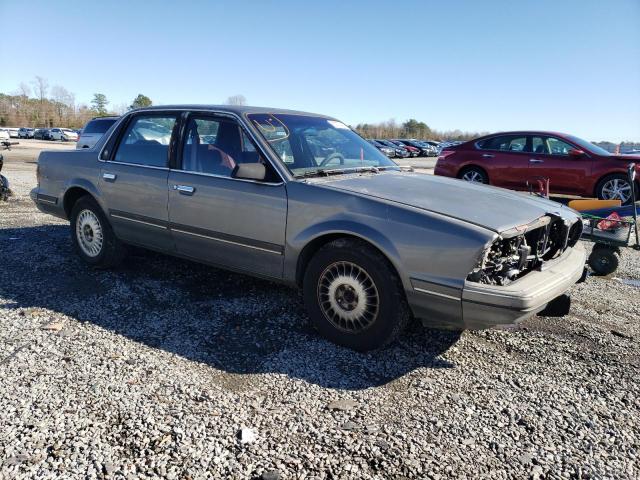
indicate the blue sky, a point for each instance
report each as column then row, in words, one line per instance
column 571, row 65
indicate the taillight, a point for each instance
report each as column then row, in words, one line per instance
column 445, row 153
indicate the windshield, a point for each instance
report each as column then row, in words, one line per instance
column 588, row 146
column 312, row 145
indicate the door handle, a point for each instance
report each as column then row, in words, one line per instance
column 487, row 155
column 184, row 189
column 535, row 160
column 109, row 177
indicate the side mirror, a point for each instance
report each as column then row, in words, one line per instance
column 575, row 153
column 250, row 171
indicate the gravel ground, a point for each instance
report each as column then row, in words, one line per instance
column 165, row 368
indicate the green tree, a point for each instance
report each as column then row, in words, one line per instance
column 415, row 129
column 99, row 104
column 140, row 101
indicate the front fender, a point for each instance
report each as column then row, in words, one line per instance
column 331, row 227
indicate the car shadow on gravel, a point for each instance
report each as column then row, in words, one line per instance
column 232, row 322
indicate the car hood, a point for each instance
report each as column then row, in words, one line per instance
column 493, row 208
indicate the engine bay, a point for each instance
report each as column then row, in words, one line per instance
column 523, row 249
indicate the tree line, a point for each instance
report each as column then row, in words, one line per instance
column 37, row 104
column 411, row 129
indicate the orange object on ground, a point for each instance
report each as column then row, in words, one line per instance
column 593, row 204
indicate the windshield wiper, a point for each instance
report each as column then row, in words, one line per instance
column 311, row 173
column 340, row 171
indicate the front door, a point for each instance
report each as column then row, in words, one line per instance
column 550, row 159
column 134, row 181
column 214, row 218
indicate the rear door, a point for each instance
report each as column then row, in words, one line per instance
column 214, row 218
column 133, row 180
column 506, row 160
column 550, row 159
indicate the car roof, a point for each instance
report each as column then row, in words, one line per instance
column 111, row 117
column 524, row 132
column 236, row 109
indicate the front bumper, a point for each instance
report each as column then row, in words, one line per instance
column 478, row 306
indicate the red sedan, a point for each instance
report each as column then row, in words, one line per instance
column 572, row 165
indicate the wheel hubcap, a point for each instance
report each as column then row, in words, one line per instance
column 472, row 176
column 89, row 233
column 348, row 297
column 616, row 189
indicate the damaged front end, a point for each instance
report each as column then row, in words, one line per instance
column 517, row 251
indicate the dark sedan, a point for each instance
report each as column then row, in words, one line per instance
column 413, row 151
column 388, row 151
column 401, row 152
column 423, row 149
column 42, row 134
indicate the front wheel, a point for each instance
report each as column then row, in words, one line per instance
column 92, row 235
column 354, row 297
column 614, row 187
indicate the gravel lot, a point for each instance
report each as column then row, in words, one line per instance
column 165, row 368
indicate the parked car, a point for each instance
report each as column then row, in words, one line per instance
column 388, row 151
column 370, row 245
column 4, row 135
column 432, row 151
column 42, row 134
column 572, row 165
column 413, row 151
column 26, row 132
column 64, row 134
column 401, row 152
column 13, row 132
column 423, row 150
column 94, row 130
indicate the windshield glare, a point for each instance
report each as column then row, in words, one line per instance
column 588, row 146
column 307, row 144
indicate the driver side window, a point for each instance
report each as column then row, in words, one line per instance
column 559, row 147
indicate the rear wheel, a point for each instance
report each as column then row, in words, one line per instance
column 353, row 296
column 92, row 235
column 474, row 175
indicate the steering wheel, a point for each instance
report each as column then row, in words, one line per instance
column 332, row 156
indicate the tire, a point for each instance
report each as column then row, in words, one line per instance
column 603, row 260
column 616, row 187
column 474, row 175
column 336, row 282
column 88, row 223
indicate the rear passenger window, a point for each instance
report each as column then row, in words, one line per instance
column 509, row 143
column 146, row 141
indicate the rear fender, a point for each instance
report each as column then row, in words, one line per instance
column 86, row 185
